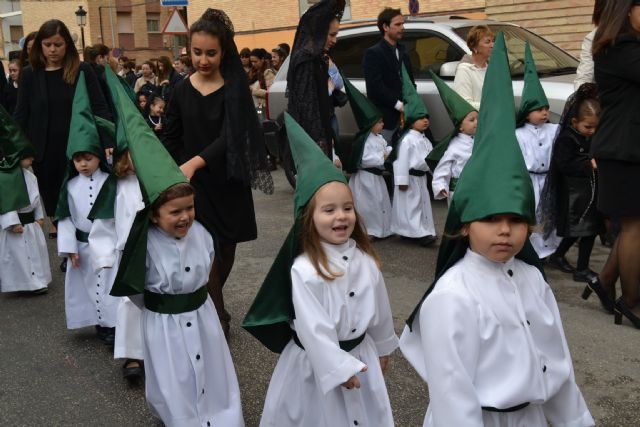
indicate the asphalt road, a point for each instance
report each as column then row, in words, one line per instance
column 52, row 376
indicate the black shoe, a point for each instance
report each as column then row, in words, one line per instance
column 108, row 335
column 596, row 286
column 63, row 265
column 427, row 241
column 622, row 310
column 560, row 263
column 132, row 372
column 587, row 275
column 40, row 291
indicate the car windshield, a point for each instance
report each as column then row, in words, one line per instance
column 550, row 60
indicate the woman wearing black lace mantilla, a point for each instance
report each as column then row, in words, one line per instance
column 307, row 80
column 212, row 132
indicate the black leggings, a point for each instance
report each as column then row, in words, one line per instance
column 584, row 249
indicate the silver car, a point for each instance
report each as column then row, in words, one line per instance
column 436, row 44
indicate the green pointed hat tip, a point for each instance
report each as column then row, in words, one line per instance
column 313, row 166
column 457, row 107
column 533, row 96
column 414, row 108
column 366, row 114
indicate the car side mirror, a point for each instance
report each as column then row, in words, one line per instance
column 448, row 69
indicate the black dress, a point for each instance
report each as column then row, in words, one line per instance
column 192, row 127
column 10, row 97
column 577, row 193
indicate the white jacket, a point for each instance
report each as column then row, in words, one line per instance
column 584, row 73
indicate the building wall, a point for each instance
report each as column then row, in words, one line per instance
column 563, row 22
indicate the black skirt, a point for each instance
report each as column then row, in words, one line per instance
column 618, row 184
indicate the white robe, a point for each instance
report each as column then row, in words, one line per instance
column 24, row 258
column 87, row 299
column 536, row 144
column 494, row 342
column 305, row 388
column 190, row 378
column 411, row 212
column 370, row 191
column 451, row 164
column 128, row 342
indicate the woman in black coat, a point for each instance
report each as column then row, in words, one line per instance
column 616, row 145
column 45, row 98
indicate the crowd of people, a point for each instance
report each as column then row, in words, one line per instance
column 146, row 174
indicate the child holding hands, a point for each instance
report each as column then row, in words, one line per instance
column 324, row 307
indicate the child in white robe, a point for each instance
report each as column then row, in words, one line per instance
column 412, row 216
column 87, row 282
column 324, row 307
column 450, row 166
column 369, row 188
column 128, row 339
column 487, row 336
column 23, row 249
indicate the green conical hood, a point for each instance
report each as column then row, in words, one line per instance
column 495, row 180
column 366, row 115
column 156, row 171
column 313, row 166
column 15, row 146
column 533, row 96
column 457, row 108
column 414, row 108
column 272, row 309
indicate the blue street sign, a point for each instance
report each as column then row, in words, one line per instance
column 174, row 2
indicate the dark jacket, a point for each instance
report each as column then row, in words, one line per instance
column 617, row 73
column 33, row 105
column 383, row 76
column 576, row 187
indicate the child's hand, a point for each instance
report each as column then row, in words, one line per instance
column 594, row 165
column 443, row 194
column 354, row 382
column 386, row 156
column 18, row 228
column 158, row 127
column 337, row 163
column 75, row 260
column 40, row 222
column 384, row 364
column 403, row 187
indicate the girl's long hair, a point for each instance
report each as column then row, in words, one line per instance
column 311, row 243
column 613, row 22
column 71, row 60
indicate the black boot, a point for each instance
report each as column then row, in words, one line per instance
column 560, row 263
column 596, row 286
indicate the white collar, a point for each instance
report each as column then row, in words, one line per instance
column 482, row 262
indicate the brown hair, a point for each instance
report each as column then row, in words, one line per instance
column 71, row 60
column 614, row 22
column 176, row 191
column 385, row 17
column 310, row 242
column 24, row 56
column 476, row 34
column 598, row 6
column 167, row 68
column 122, row 165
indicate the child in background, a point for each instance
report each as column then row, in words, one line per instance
column 457, row 146
column 411, row 213
column 572, row 188
column 141, row 98
column 366, row 165
column 487, row 336
column 23, row 250
column 87, row 283
column 154, row 114
column 333, row 324
column 535, row 136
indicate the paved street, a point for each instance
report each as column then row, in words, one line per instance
column 51, row 376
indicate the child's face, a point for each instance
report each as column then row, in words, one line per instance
column 26, row 162
column 86, row 163
column 176, row 216
column 421, row 124
column 157, row 108
column 142, row 102
column 587, row 126
column 206, row 53
column 334, row 215
column 470, row 124
column 538, row 117
column 498, row 237
column 377, row 128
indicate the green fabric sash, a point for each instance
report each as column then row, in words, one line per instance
column 27, row 217
column 347, row 345
column 104, row 206
column 132, row 270
column 12, row 178
column 82, row 236
column 452, row 184
column 175, row 303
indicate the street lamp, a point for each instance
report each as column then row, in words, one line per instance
column 81, row 20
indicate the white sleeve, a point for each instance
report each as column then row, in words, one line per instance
column 38, row 211
column 331, row 365
column 567, row 407
column 102, row 243
column 450, row 344
column 442, row 173
column 382, row 331
column 401, row 165
column 67, row 243
column 463, row 85
column 9, row 219
column 584, row 73
column 371, row 155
